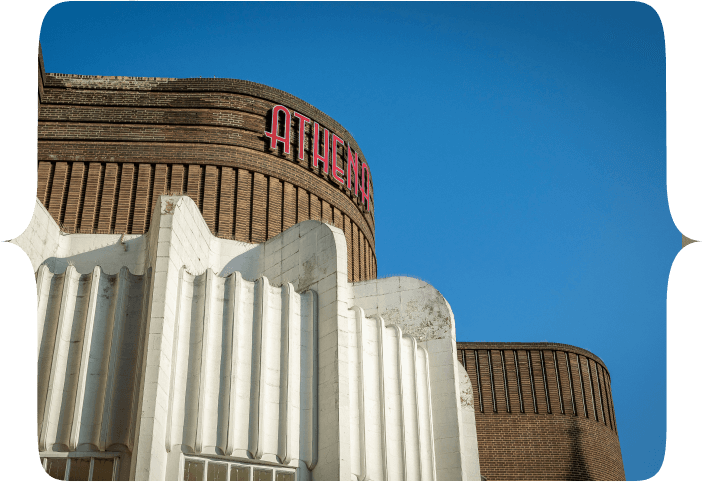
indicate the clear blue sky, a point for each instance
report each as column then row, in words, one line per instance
column 517, row 151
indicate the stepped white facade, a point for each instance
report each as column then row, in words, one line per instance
column 176, row 354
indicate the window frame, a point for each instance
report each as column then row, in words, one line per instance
column 114, row 456
column 235, row 461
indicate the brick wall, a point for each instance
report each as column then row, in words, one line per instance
column 544, row 411
column 109, row 146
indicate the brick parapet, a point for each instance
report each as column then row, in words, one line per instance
column 544, row 411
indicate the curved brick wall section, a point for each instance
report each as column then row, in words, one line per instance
column 109, row 146
column 543, row 411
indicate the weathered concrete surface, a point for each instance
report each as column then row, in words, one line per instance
column 200, row 345
column 421, row 311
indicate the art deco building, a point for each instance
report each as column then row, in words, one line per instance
column 208, row 309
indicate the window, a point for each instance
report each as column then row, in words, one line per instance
column 82, row 466
column 197, row 468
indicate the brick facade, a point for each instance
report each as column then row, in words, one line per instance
column 544, row 411
column 109, row 146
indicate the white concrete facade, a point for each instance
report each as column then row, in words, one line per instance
column 177, row 342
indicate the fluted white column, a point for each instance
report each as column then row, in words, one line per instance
column 174, row 360
column 112, row 343
column 382, row 395
column 399, row 368
column 145, row 316
column 285, row 430
column 359, row 319
column 205, row 346
column 44, row 277
column 414, row 375
column 426, row 381
column 235, row 299
column 60, row 353
column 311, row 424
column 85, row 355
column 258, row 369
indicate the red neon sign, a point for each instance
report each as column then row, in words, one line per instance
column 340, row 175
column 273, row 136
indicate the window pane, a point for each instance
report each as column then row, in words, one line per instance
column 217, row 471
column 237, row 472
column 102, row 469
column 56, row 468
column 193, row 469
column 80, row 469
column 263, row 474
column 284, row 475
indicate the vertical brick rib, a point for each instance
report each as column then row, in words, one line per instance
column 485, row 381
column 512, row 403
column 44, row 170
column 593, row 388
column 499, row 382
column 210, row 197
column 549, row 381
column 555, row 364
column 275, row 202
column 259, row 208
column 472, row 373
column 303, row 213
column 326, row 213
column 194, row 185
column 348, row 238
column 367, row 268
column 519, row 381
column 91, row 196
column 73, row 201
column 178, row 179
column 529, row 403
column 289, row 206
column 355, row 252
column 599, row 392
column 585, row 383
column 150, row 198
column 244, row 203
column 141, row 205
column 124, row 203
column 58, row 188
column 202, row 188
column 577, row 385
column 337, row 219
column 607, row 397
column 538, row 383
column 107, row 202
column 226, row 213
column 315, row 207
column 360, row 254
column 613, row 409
column 160, row 187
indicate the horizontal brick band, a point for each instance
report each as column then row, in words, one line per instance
column 180, row 93
column 140, row 131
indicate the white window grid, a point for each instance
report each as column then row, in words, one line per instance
column 115, row 456
column 236, row 463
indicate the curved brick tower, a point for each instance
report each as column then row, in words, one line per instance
column 109, row 146
column 544, row 411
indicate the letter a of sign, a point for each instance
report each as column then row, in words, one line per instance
column 274, row 137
